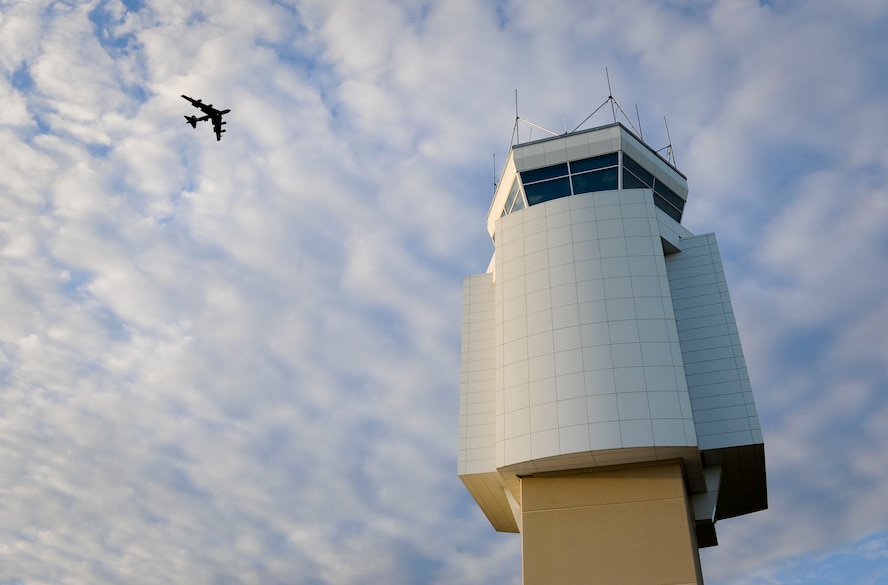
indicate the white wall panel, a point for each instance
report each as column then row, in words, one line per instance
column 713, row 358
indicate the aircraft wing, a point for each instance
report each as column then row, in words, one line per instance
column 207, row 109
column 194, row 102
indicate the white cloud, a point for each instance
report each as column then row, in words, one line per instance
column 236, row 361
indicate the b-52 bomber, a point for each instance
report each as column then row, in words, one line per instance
column 211, row 113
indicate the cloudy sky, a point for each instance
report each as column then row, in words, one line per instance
column 237, row 362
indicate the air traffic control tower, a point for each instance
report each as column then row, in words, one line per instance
column 605, row 408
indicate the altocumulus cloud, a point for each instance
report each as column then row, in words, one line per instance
column 237, row 362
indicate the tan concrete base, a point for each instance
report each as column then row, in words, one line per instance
column 616, row 526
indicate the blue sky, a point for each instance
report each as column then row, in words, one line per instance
column 237, row 362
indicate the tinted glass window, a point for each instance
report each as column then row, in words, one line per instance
column 543, row 173
column 670, row 211
column 596, row 162
column 630, row 181
column 512, row 194
column 605, row 180
column 669, row 195
column 598, row 173
column 636, row 169
column 547, row 190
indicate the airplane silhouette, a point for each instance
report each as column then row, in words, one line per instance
column 212, row 114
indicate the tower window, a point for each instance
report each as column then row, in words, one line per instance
column 630, row 181
column 604, row 180
column 637, row 177
column 545, row 184
column 515, row 201
column 588, row 175
column 642, row 174
column 547, row 190
column 544, row 173
column 594, row 163
column 669, row 195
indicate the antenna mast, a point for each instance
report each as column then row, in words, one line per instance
column 494, row 172
column 614, row 107
column 516, row 117
column 670, row 154
column 516, row 137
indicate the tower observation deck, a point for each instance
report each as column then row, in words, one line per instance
column 605, row 405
